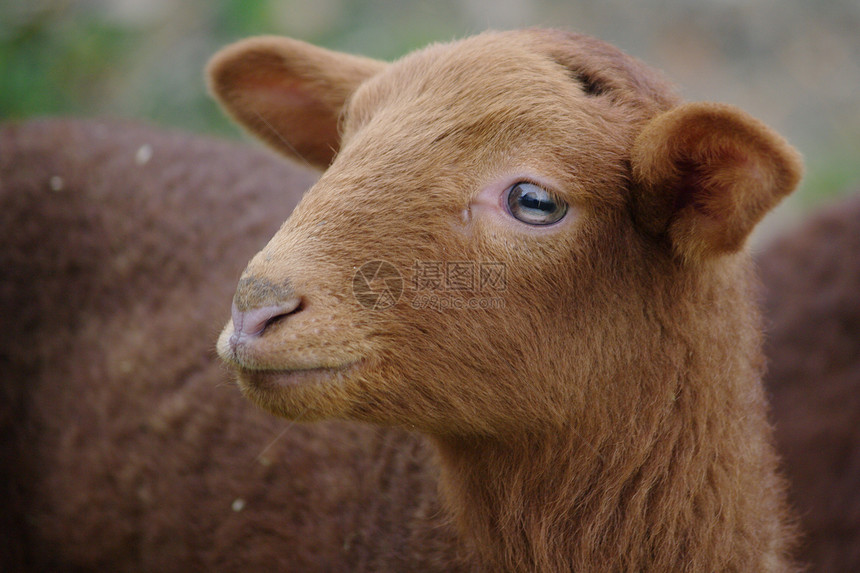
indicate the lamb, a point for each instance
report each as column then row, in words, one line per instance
column 811, row 277
column 610, row 416
column 125, row 454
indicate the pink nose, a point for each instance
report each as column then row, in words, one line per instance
column 253, row 322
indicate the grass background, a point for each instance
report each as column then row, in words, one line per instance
column 793, row 63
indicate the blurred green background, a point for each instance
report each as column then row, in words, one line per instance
column 793, row 63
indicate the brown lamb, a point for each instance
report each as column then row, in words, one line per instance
column 608, row 416
column 811, row 277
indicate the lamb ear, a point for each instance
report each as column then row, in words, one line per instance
column 288, row 93
column 706, row 174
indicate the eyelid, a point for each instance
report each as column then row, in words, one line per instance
column 492, row 193
column 547, row 185
column 528, row 181
column 549, row 192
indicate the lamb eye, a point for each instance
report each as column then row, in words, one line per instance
column 535, row 206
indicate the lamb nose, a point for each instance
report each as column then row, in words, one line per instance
column 253, row 322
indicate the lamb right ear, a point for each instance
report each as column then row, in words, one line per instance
column 706, row 174
column 288, row 93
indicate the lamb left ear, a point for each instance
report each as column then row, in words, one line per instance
column 288, row 93
column 706, row 174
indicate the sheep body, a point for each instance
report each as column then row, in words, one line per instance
column 123, row 446
column 811, row 277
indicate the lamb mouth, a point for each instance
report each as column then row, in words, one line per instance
column 277, row 379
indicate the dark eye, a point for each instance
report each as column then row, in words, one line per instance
column 533, row 205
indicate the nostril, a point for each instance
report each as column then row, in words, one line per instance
column 255, row 321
